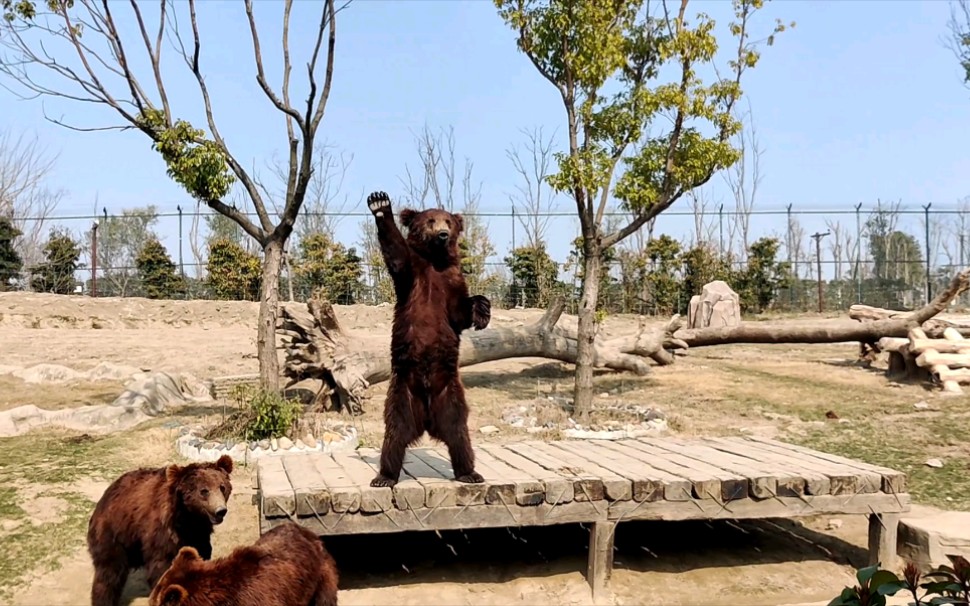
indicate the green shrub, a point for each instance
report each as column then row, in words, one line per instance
column 262, row 414
column 942, row 585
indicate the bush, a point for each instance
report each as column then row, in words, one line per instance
column 262, row 415
column 942, row 585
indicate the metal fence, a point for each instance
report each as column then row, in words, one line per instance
column 880, row 254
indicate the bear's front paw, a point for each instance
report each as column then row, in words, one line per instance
column 379, row 203
column 470, row 478
column 481, row 312
column 383, row 482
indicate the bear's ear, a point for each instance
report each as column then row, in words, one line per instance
column 173, row 596
column 407, row 216
column 459, row 222
column 186, row 556
column 173, row 473
column 224, row 463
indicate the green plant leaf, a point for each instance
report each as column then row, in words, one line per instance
column 865, row 574
column 881, row 577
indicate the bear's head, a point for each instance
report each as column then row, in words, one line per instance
column 202, row 489
column 170, row 589
column 434, row 232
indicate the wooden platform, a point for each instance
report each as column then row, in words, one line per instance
column 599, row 482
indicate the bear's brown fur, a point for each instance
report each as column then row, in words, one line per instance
column 433, row 308
column 147, row 515
column 287, row 566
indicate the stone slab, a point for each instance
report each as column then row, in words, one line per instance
column 928, row 540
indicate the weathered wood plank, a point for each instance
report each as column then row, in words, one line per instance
column 599, row 567
column 439, row 491
column 557, row 488
column 276, row 495
column 791, row 481
column 782, row 507
column 893, row 481
column 576, row 456
column 408, row 493
column 438, row 459
column 527, row 489
column 309, row 486
column 344, row 492
column 843, row 480
column 586, row 486
column 642, row 488
column 675, row 487
column 704, row 485
column 450, row 518
column 762, row 485
column 734, row 486
column 373, row 499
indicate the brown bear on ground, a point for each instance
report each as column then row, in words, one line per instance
column 147, row 515
column 287, row 566
column 432, row 309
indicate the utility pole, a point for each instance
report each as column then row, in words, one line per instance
column 94, row 259
column 818, row 263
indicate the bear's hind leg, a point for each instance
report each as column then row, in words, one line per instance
column 449, row 423
column 109, row 582
column 401, row 429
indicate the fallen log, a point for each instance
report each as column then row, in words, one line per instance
column 316, row 347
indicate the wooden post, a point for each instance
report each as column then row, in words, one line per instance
column 599, row 568
column 882, row 539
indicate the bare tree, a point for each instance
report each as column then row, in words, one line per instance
column 435, row 179
column 704, row 229
column 534, row 198
column 25, row 168
column 837, row 244
column 744, row 178
column 959, row 41
column 123, row 71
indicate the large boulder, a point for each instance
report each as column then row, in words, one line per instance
column 717, row 305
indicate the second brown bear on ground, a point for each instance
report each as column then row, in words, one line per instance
column 287, row 566
column 433, row 308
column 147, row 515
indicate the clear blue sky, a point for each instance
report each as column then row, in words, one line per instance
column 860, row 101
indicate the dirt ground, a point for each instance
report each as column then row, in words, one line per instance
column 50, row 480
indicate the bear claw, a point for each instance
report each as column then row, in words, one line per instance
column 382, row 482
column 470, row 478
column 378, row 202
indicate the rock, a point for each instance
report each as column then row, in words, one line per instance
column 928, row 540
column 329, row 436
column 936, row 463
column 264, row 444
column 921, row 405
column 285, row 443
column 309, row 440
column 299, row 444
column 834, row 524
column 274, row 444
column 717, row 305
column 488, row 429
column 604, row 395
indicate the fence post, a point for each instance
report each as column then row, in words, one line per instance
column 720, row 229
column 791, row 284
column 818, row 264
column 94, row 259
column 181, row 263
column 858, row 251
column 926, row 242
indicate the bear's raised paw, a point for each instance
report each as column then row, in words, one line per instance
column 379, row 203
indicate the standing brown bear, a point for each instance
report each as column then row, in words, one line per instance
column 147, row 515
column 432, row 309
column 287, row 566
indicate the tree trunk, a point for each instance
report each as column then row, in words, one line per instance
column 269, row 300
column 586, row 331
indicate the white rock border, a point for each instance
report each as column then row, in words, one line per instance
column 192, row 446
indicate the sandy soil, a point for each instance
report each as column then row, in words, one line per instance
column 657, row 563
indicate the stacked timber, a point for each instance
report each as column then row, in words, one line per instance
column 945, row 361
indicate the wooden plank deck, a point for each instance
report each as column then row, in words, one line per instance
column 599, row 482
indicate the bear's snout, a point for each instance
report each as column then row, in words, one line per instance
column 443, row 234
column 221, row 513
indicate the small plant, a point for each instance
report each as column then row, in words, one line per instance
column 262, row 415
column 942, row 585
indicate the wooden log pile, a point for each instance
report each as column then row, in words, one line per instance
column 944, row 361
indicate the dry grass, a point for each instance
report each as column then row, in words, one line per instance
column 15, row 392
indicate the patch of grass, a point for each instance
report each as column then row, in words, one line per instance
column 16, row 392
column 32, row 546
column 9, row 510
column 57, row 457
column 904, row 444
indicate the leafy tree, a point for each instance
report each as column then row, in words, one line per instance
column 330, row 266
column 120, row 239
column 10, row 261
column 606, row 281
column 534, row 276
column 131, row 81
column 604, row 58
column 699, row 265
column 959, row 41
column 56, row 273
column 232, row 272
column 661, row 278
column 763, row 276
column 157, row 271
